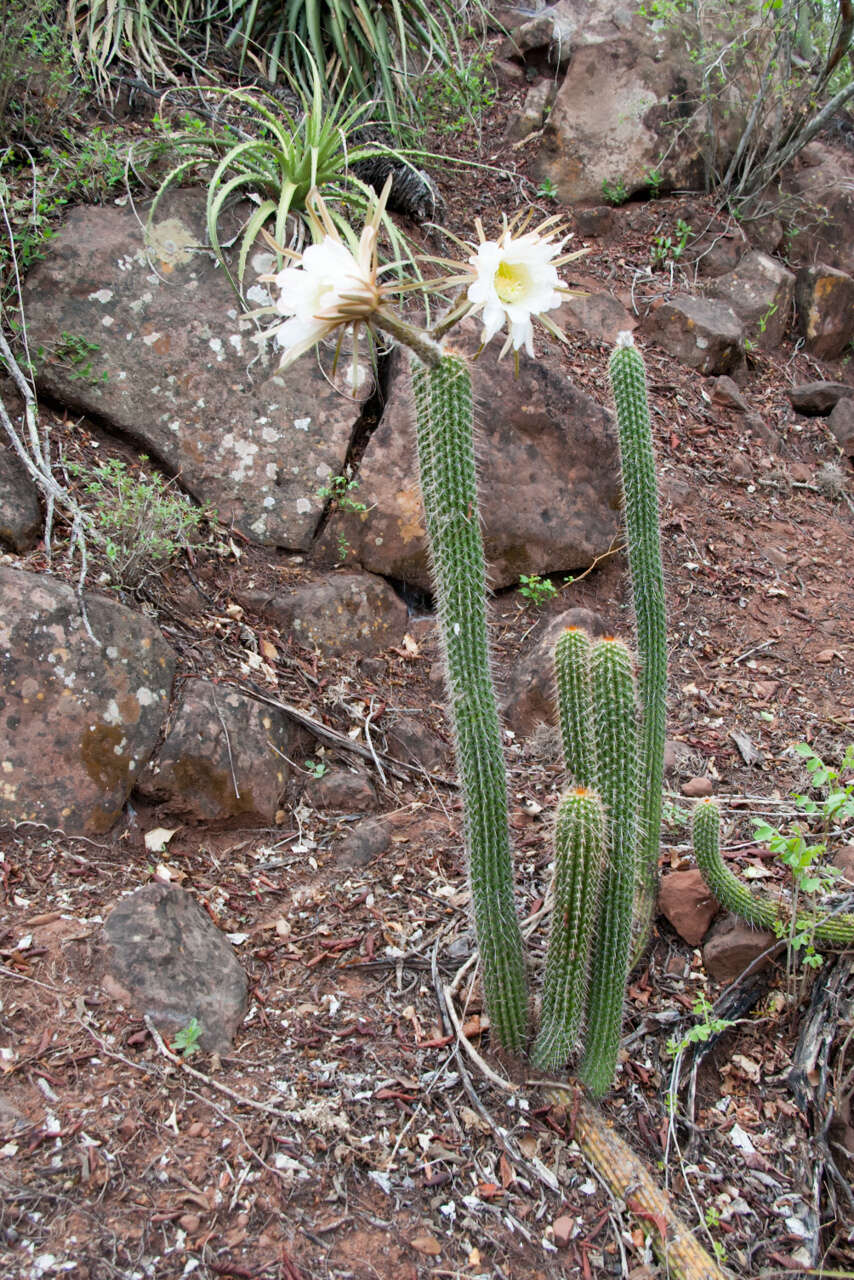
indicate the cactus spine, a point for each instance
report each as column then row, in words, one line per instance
column 760, row 912
column 615, row 721
column 640, row 490
column 444, row 416
column 580, row 850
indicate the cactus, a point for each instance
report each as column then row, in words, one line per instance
column 443, row 399
column 615, row 723
column 762, row 913
column 580, row 853
column 643, row 537
column 575, row 705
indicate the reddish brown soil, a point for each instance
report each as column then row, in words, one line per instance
column 346, row 1136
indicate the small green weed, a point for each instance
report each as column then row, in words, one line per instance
column 186, row 1041
column 546, row 190
column 455, row 97
column 76, row 354
column 141, row 521
column 654, row 179
column 315, row 767
column 536, row 589
column 339, row 490
column 667, row 249
column 702, row 1031
column 615, row 192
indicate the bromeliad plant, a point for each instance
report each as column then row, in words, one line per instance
column 613, row 733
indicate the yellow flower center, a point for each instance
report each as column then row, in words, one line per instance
column 511, row 281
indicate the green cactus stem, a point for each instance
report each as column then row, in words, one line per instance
column 575, row 705
column 444, row 416
column 579, row 857
column 762, row 913
column 615, row 724
column 640, row 491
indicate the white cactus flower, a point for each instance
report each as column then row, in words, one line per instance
column 329, row 289
column 516, row 279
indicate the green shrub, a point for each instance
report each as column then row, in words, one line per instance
column 140, row 521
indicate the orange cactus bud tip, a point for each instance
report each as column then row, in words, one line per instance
column 609, row 639
column 569, row 629
column 580, row 791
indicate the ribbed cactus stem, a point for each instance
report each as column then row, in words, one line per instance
column 575, row 705
column 762, row 913
column 615, row 722
column 444, row 418
column 643, row 535
column 579, row 857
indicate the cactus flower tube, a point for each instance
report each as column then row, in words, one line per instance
column 579, row 857
column 643, row 537
column 443, row 399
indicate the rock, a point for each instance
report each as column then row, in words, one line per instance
column 726, row 392
column 687, row 903
column 525, row 122
column 626, row 87
column 732, row 946
column 594, row 223
column 508, row 73
column 550, row 31
column 843, row 859
column 256, row 444
column 758, row 427
column 815, row 399
column 20, row 510
column 760, row 291
column 563, row 1229
column 223, row 757
column 548, row 469
column 340, row 613
column 701, row 333
column 677, row 757
column 841, row 423
column 78, row 717
column 409, row 740
column 362, row 843
column 162, row 955
column 529, row 697
column 342, row 789
column 825, row 302
column 717, row 252
column 816, row 204
column 694, row 788
column 740, row 468
column 599, row 315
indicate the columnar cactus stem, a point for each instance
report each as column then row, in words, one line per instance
column 579, row 853
column 760, row 912
column 575, row 705
column 615, row 716
column 640, row 490
column 443, row 400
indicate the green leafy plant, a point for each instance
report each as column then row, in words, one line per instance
column 654, row 178
column 701, row 1032
column 316, row 768
column 75, row 352
column 536, row 589
column 186, row 1041
column 547, row 190
column 380, row 49
column 615, row 192
column 339, row 490
column 141, row 521
column 454, row 97
column 665, row 248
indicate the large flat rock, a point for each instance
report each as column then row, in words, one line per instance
column 548, row 475
column 181, row 372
